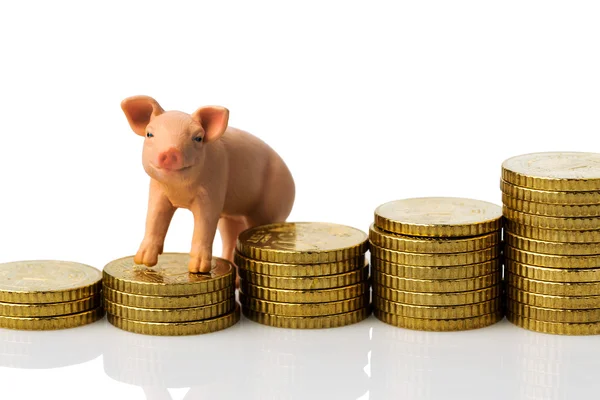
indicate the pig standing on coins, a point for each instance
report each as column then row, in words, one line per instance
column 226, row 177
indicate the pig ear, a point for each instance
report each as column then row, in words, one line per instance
column 139, row 110
column 214, row 121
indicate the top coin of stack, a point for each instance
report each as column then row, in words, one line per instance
column 436, row 263
column 45, row 295
column 169, row 300
column 303, row 275
column 552, row 207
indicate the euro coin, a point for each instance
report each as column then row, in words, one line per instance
column 302, row 243
column 305, row 282
column 439, row 217
column 552, row 210
column 299, row 270
column 304, row 309
column 170, row 277
column 303, row 296
column 557, row 328
column 319, row 322
column 553, row 235
column 438, row 299
column 546, row 222
column 413, row 244
column 554, row 315
column 436, row 285
column 554, row 248
column 438, row 325
column 53, row 322
column 549, row 196
column 194, row 300
column 435, row 260
column 47, row 281
column 420, row 272
column 552, row 261
column 429, row 312
column 553, row 274
column 177, row 328
column 50, row 309
column 552, row 301
column 554, row 288
column 562, row 171
column 170, row 314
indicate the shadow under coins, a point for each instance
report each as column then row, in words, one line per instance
column 51, row 349
column 248, row 360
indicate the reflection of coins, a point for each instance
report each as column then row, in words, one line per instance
column 553, row 274
column 433, row 259
column 54, row 322
column 553, row 301
column 563, row 171
column 312, row 322
column 302, row 243
column 171, row 314
column 439, row 216
column 439, row 325
column 437, row 299
column 47, row 281
column 553, row 248
column 557, row 328
column 546, row 222
column 177, row 329
column 304, row 309
column 443, row 272
column 436, row 285
column 433, row 312
column 554, row 315
column 194, row 300
column 303, row 296
column 170, row 277
column 306, row 283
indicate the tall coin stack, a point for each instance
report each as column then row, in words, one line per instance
column 552, row 207
column 45, row 295
column 436, row 263
column 303, row 275
column 167, row 299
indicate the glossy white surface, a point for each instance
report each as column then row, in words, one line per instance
column 369, row 360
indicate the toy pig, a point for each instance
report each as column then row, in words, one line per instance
column 226, row 177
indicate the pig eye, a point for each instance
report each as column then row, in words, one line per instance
column 149, row 135
column 197, row 139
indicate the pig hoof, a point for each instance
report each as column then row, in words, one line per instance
column 200, row 265
column 147, row 255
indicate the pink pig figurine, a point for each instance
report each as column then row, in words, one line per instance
column 226, row 177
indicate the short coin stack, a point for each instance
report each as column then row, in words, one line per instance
column 46, row 295
column 552, row 210
column 436, row 263
column 167, row 299
column 303, row 275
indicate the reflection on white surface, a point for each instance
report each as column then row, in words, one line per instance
column 369, row 360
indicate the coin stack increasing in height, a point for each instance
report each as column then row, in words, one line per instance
column 436, row 263
column 552, row 210
column 303, row 275
column 45, row 295
column 167, row 299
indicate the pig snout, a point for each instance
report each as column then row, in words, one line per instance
column 171, row 159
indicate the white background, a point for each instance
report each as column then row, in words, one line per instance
column 366, row 101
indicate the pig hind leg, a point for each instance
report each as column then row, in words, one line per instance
column 230, row 228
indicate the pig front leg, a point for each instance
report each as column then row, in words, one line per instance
column 158, row 218
column 206, row 219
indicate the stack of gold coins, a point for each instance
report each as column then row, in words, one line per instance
column 552, row 210
column 436, row 263
column 167, row 299
column 45, row 295
column 303, row 275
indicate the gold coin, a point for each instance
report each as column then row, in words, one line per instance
column 303, row 296
column 47, row 281
column 170, row 277
column 170, row 314
column 439, row 217
column 435, row 260
column 50, row 309
column 302, row 243
column 306, row 283
column 552, row 210
column 319, row 322
column 553, row 315
column 556, row 328
column 432, row 312
column 554, row 288
column 437, row 299
column 553, row 274
column 549, row 197
column 420, row 272
column 552, row 261
column 438, row 325
column 561, row 171
column 412, row 244
column 550, row 301
column 546, row 222
column 553, row 248
column 141, row 301
column 299, row 270
column 436, row 285
column 53, row 322
column 304, row 309
column 553, row 235
column 177, row 328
